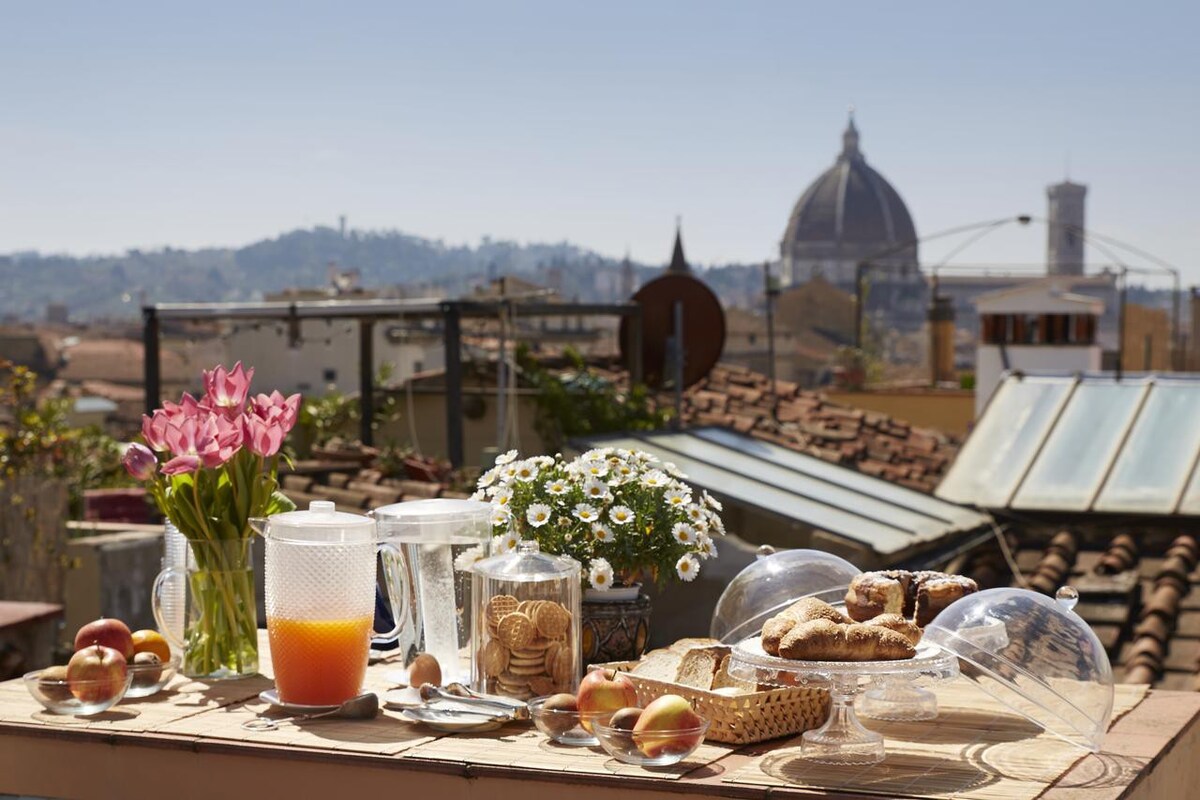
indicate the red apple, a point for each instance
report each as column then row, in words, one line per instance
column 96, row 674
column 654, row 734
column 109, row 633
column 604, row 690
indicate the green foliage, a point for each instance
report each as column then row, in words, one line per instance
column 967, row 381
column 580, row 402
column 336, row 416
column 36, row 439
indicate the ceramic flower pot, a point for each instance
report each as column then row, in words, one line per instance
column 615, row 629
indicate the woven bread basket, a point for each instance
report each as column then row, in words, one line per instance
column 743, row 718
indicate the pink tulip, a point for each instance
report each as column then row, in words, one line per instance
column 225, row 391
column 200, row 441
column 139, row 461
column 263, row 437
column 277, row 408
column 187, row 406
column 154, row 429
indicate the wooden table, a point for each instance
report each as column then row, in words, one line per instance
column 171, row 748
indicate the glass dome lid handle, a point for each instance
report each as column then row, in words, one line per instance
column 1067, row 597
column 528, row 546
column 764, row 550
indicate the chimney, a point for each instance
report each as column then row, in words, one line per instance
column 941, row 340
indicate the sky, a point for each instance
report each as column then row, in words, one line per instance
column 143, row 125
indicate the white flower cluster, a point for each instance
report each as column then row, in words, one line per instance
column 619, row 512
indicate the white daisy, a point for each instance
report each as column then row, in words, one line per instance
column 712, row 502
column 705, row 546
column 478, row 497
column 673, row 470
column 677, row 497
column 586, row 513
column 543, row 461
column 596, row 489
column 654, row 478
column 687, row 567
column 556, row 487
column 594, row 469
column 600, row 574
column 500, row 516
column 683, row 533
column 694, row 513
column 506, row 543
column 487, row 478
column 645, row 458
column 621, row 515
column 538, row 514
column 508, row 471
column 596, row 454
column 602, row 532
column 507, row 458
column 467, row 558
column 526, row 471
column 501, row 496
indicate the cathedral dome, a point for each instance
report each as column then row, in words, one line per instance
column 850, row 204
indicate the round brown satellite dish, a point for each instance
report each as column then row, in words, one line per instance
column 703, row 328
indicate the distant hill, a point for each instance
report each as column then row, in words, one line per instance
column 114, row 287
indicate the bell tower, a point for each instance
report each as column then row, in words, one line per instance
column 1064, row 246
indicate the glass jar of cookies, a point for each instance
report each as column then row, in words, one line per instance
column 525, row 630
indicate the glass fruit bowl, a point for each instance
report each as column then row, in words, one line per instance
column 76, row 698
column 564, row 726
column 657, row 748
column 148, row 679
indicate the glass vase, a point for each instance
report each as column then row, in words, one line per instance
column 220, row 635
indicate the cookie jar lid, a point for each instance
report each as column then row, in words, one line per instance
column 528, row 564
column 1035, row 655
column 772, row 583
column 436, row 521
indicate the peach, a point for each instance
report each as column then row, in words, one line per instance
column 604, row 690
column 654, row 732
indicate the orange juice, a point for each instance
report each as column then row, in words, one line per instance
column 319, row 662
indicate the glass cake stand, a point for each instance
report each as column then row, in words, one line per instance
column 842, row 739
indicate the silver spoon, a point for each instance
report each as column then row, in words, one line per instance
column 510, row 708
column 364, row 706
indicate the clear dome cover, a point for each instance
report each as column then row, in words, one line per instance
column 774, row 582
column 528, row 563
column 321, row 522
column 1035, row 655
column 442, row 521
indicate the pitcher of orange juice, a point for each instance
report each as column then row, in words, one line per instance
column 320, row 601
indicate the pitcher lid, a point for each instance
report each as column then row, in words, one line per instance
column 320, row 522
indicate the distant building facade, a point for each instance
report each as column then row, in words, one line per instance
column 1065, row 233
column 1034, row 327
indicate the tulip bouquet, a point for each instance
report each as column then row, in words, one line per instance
column 621, row 513
column 211, row 466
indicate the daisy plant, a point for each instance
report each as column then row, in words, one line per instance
column 622, row 514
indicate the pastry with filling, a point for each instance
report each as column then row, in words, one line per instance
column 874, row 593
column 905, row 627
column 938, row 590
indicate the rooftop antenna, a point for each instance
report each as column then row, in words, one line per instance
column 1067, row 166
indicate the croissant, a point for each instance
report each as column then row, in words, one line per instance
column 809, row 608
column 823, row 640
column 907, row 628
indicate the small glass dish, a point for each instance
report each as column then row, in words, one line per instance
column 649, row 748
column 75, row 698
column 563, row 727
column 148, row 679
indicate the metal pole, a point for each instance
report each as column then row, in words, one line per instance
column 366, row 381
column 501, row 381
column 770, row 298
column 151, row 365
column 1121, row 321
column 451, row 323
column 1177, row 360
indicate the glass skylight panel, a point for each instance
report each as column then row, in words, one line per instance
column 1081, row 447
column 838, row 475
column 764, row 471
column 883, row 538
column 1155, row 463
column 991, row 464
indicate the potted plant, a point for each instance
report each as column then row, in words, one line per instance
column 623, row 515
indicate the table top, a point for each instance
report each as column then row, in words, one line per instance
column 194, row 729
